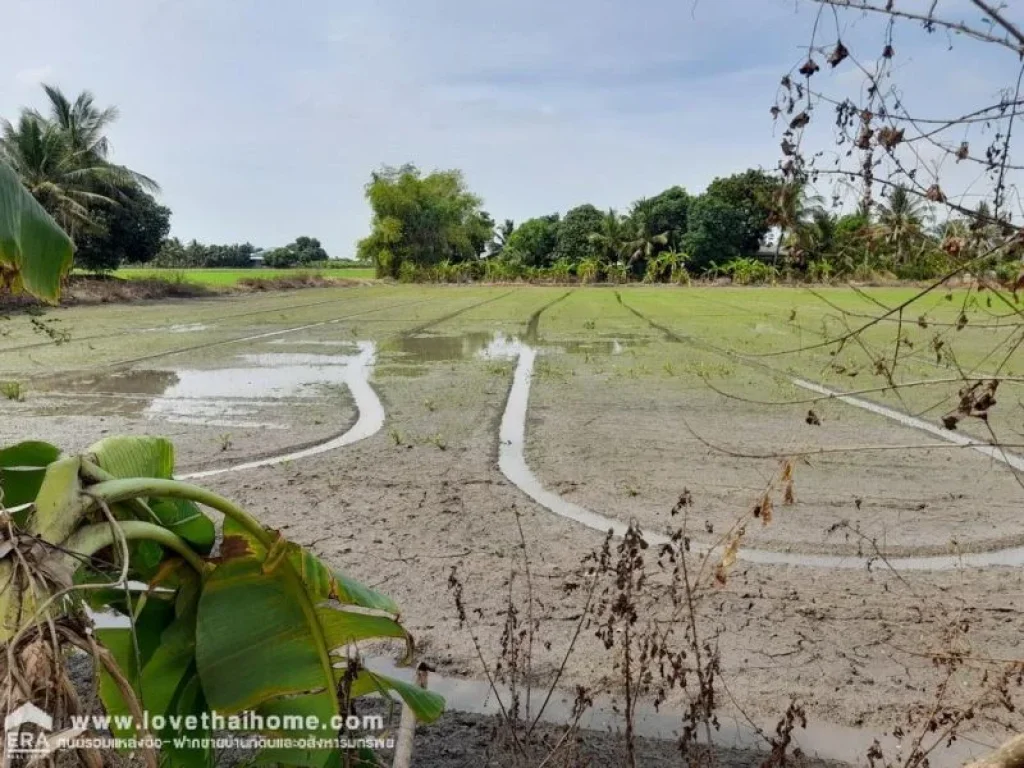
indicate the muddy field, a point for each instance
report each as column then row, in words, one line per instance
column 392, row 399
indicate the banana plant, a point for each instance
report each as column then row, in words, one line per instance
column 35, row 253
column 243, row 622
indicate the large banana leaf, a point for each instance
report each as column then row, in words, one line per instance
column 129, row 456
column 35, row 253
column 320, row 580
column 22, row 467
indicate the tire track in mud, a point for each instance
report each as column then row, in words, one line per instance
column 512, row 463
column 452, row 315
column 533, row 324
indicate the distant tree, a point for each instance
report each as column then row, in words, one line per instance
column 644, row 241
column 612, row 237
column 131, row 232
column 308, row 250
column 666, row 212
column 281, row 258
column 901, row 221
column 423, row 220
column 496, row 246
column 752, row 194
column 717, row 232
column 574, row 243
column 533, row 242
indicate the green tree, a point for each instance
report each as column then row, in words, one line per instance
column 533, row 242
column 423, row 220
column 64, row 182
column 574, row 243
column 612, row 239
column 901, row 222
column 667, row 212
column 644, row 241
column 63, row 160
column 496, row 247
column 752, row 194
column 716, row 232
column 84, row 126
column 308, row 250
column 131, row 232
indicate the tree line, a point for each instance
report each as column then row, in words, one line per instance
column 63, row 158
column 431, row 227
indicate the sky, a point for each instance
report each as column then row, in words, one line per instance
column 263, row 121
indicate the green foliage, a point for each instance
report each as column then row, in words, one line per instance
column 195, row 255
column 752, row 194
column 666, row 213
column 423, row 220
column 265, row 626
column 130, row 232
column 304, row 252
column 35, row 253
column 533, row 242
column 63, row 160
column 716, row 232
column 574, row 242
column 747, row 271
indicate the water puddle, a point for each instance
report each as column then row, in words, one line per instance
column 179, row 328
column 821, row 740
column 354, row 373
column 512, row 463
column 430, row 348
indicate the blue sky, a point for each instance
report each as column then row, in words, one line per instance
column 263, row 120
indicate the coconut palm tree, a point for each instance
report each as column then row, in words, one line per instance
column 643, row 242
column 793, row 208
column 65, row 182
column 84, row 126
column 496, row 247
column 612, row 238
column 63, row 159
column 901, row 220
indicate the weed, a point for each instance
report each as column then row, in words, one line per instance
column 11, row 390
column 396, row 436
column 225, row 441
column 430, row 405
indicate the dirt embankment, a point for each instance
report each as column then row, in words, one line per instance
column 100, row 289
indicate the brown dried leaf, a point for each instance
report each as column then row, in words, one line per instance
column 839, row 53
column 767, row 508
column 800, row 121
column 809, row 68
column 889, row 137
column 789, row 497
column 935, row 194
column 888, row 52
column 963, row 152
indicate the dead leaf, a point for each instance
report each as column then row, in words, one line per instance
column 838, row 54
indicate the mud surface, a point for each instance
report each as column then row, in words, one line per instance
column 620, row 421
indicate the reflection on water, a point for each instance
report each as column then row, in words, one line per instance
column 431, row 348
column 817, row 740
column 235, row 396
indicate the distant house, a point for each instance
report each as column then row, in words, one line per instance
column 769, row 246
column 258, row 259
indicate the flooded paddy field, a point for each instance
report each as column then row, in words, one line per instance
column 404, row 430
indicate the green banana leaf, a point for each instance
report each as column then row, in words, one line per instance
column 22, row 467
column 131, row 456
column 35, row 253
